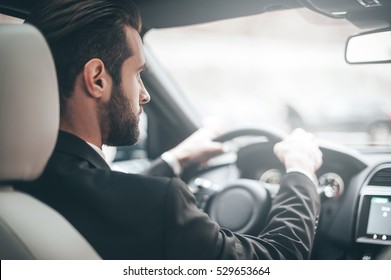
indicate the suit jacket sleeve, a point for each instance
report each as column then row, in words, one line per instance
column 288, row 234
column 160, row 168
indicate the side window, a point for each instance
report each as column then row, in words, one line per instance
column 131, row 159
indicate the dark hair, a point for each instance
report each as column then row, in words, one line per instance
column 80, row 30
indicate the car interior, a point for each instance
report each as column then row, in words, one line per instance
column 234, row 189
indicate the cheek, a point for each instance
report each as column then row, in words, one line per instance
column 132, row 92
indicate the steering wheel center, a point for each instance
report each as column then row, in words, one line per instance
column 242, row 206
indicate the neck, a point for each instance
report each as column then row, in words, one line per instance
column 82, row 133
column 81, row 120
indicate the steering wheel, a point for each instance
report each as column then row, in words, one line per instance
column 243, row 205
column 272, row 136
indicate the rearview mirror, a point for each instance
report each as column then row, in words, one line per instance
column 370, row 47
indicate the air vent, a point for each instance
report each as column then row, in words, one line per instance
column 381, row 178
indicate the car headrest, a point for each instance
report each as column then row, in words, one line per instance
column 29, row 103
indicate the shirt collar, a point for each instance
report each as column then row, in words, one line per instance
column 99, row 151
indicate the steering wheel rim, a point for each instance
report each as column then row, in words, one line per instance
column 248, row 200
column 272, row 135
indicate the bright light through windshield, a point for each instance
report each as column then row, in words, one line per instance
column 282, row 69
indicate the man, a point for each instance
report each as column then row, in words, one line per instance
column 98, row 54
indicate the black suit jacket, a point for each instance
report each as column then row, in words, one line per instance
column 126, row 216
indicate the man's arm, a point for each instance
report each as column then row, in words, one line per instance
column 159, row 167
column 291, row 225
column 198, row 148
column 288, row 234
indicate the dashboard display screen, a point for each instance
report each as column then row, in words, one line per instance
column 379, row 220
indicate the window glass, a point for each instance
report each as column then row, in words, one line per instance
column 282, row 69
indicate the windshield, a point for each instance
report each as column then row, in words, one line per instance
column 281, row 69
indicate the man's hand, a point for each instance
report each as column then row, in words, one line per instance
column 198, row 148
column 299, row 151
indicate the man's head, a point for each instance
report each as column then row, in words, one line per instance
column 98, row 55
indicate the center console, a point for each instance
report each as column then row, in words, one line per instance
column 374, row 213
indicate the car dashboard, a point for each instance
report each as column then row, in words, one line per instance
column 354, row 186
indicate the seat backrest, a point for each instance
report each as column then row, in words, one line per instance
column 29, row 120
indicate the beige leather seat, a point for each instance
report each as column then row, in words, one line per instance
column 29, row 119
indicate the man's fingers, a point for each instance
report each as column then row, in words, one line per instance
column 299, row 150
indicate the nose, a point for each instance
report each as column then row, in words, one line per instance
column 144, row 95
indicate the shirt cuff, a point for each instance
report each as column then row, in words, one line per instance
column 172, row 161
column 312, row 177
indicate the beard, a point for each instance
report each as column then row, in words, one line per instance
column 119, row 122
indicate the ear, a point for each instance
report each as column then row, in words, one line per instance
column 96, row 78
